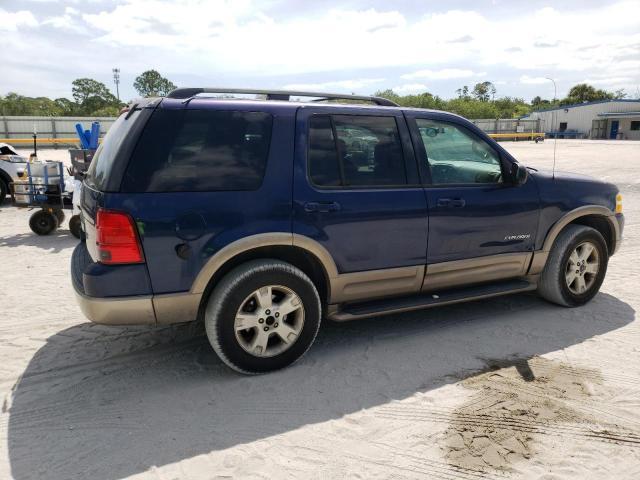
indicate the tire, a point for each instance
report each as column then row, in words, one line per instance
column 60, row 216
column 554, row 283
column 4, row 191
column 43, row 222
column 75, row 226
column 239, row 293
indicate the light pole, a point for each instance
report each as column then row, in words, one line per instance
column 554, row 116
column 116, row 80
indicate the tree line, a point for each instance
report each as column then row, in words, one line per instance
column 481, row 102
column 90, row 98
column 93, row 98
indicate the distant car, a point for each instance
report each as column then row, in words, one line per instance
column 12, row 168
column 259, row 218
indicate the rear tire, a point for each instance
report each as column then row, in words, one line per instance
column 576, row 267
column 280, row 308
column 43, row 222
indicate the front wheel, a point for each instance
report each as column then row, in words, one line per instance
column 262, row 316
column 575, row 268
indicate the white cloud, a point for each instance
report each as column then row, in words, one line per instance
column 444, row 74
column 410, row 88
column 527, row 80
column 253, row 41
column 12, row 21
column 337, row 85
column 69, row 21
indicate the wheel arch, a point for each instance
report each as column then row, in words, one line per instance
column 300, row 251
column 595, row 216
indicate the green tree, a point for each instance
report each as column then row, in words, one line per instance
column 152, row 84
column 484, row 91
column 91, row 95
column 84, row 88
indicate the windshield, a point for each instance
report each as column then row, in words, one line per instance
column 108, row 150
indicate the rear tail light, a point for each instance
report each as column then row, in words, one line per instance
column 117, row 238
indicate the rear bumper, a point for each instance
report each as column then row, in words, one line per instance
column 114, row 310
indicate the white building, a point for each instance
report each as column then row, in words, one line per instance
column 614, row 119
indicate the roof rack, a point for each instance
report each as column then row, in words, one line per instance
column 189, row 93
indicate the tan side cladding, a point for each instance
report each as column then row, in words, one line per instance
column 349, row 287
column 176, row 307
column 475, row 270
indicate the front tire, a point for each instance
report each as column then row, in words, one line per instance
column 576, row 267
column 262, row 316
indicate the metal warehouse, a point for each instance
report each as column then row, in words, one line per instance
column 611, row 119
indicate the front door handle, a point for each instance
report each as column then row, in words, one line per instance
column 322, row 207
column 451, row 202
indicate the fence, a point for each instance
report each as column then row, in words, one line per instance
column 50, row 130
column 62, row 130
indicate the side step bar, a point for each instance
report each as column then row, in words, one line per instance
column 376, row 308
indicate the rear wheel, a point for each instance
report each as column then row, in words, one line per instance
column 575, row 268
column 43, row 222
column 262, row 316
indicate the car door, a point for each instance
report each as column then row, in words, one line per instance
column 482, row 225
column 357, row 192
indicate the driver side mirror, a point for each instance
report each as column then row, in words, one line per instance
column 519, row 174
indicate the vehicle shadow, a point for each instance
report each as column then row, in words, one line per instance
column 54, row 243
column 104, row 403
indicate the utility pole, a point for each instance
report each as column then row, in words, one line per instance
column 116, row 80
column 554, row 113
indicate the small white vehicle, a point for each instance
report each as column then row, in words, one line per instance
column 12, row 169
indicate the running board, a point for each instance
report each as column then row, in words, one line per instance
column 376, row 308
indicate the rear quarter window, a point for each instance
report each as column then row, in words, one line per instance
column 200, row 150
column 105, row 155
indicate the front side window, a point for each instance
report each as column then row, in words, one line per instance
column 635, row 125
column 200, row 150
column 355, row 151
column 457, row 156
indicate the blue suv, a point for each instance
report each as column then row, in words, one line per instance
column 260, row 217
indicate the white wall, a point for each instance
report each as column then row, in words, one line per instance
column 580, row 118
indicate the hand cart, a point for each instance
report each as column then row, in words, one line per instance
column 45, row 190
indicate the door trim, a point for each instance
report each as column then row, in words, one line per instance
column 475, row 270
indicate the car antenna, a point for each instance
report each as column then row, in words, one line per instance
column 554, row 115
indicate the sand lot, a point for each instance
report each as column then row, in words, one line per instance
column 506, row 388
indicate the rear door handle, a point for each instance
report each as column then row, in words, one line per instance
column 451, row 202
column 322, row 207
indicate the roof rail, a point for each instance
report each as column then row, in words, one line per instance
column 189, row 93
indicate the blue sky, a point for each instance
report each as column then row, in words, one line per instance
column 348, row 46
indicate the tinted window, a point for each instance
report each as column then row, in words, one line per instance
column 455, row 155
column 108, row 149
column 200, row 150
column 324, row 169
column 355, row 150
column 635, row 125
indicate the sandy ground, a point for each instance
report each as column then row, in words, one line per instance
column 507, row 388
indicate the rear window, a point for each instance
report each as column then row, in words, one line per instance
column 200, row 150
column 108, row 150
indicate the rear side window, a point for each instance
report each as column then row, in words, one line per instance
column 108, row 149
column 200, row 150
column 355, row 151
